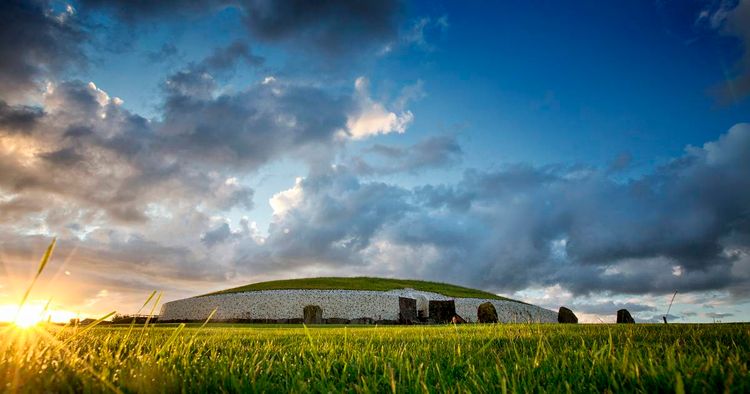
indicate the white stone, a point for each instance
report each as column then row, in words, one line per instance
column 342, row 304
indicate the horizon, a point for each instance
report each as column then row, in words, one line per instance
column 588, row 156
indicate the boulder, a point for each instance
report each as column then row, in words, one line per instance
column 624, row 317
column 312, row 314
column 441, row 311
column 565, row 315
column 486, row 313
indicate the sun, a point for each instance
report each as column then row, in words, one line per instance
column 27, row 318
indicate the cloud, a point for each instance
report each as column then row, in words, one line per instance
column 420, row 29
column 20, row 118
column 37, row 43
column 433, row 152
column 85, row 149
column 372, row 118
column 166, row 51
column 326, row 219
column 611, row 307
column 523, row 226
column 716, row 315
column 331, row 28
column 80, row 157
column 248, row 128
column 225, row 58
column 135, row 11
column 733, row 19
column 658, row 318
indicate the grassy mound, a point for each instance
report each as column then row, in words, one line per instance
column 364, row 283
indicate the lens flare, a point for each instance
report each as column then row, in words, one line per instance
column 28, row 317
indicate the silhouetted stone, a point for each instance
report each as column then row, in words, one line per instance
column 442, row 311
column 407, row 310
column 624, row 317
column 458, row 320
column 565, row 315
column 486, row 313
column 312, row 314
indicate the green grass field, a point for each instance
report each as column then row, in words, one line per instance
column 465, row 358
column 364, row 283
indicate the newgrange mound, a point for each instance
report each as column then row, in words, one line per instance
column 341, row 300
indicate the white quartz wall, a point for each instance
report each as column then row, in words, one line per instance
column 507, row 311
column 285, row 304
column 343, row 304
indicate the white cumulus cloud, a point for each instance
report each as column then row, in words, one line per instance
column 372, row 117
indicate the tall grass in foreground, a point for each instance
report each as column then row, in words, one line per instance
column 475, row 358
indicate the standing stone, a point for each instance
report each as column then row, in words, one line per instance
column 624, row 317
column 442, row 311
column 423, row 307
column 312, row 314
column 565, row 315
column 407, row 310
column 486, row 313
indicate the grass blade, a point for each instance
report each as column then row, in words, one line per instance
column 42, row 264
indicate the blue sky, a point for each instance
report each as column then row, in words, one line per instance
column 583, row 154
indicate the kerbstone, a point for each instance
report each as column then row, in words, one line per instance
column 624, row 317
column 565, row 315
column 486, row 313
column 312, row 314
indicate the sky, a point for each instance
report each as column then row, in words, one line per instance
column 590, row 155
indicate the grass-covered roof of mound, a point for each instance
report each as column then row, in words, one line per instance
column 364, row 283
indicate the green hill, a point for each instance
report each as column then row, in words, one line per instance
column 364, row 283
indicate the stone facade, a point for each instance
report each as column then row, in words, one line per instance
column 338, row 306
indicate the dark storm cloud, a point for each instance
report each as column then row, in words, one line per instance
column 18, row 118
column 35, row 42
column 90, row 151
column 248, row 128
column 199, row 79
column 328, row 26
column 683, row 227
column 430, row 153
column 217, row 235
column 135, row 10
column 336, row 220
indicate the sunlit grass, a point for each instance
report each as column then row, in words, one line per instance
column 469, row 358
